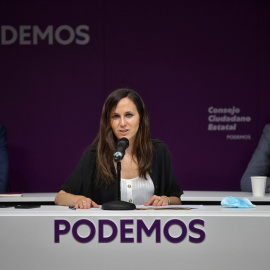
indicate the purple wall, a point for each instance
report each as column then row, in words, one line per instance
column 183, row 57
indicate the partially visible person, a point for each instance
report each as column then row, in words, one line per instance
column 4, row 163
column 259, row 164
column 147, row 175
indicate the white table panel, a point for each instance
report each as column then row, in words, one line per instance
column 234, row 239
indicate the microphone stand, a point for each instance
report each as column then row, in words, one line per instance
column 118, row 205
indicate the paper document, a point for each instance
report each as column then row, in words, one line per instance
column 10, row 194
column 169, row 207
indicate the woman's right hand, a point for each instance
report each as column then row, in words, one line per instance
column 85, row 203
column 78, row 201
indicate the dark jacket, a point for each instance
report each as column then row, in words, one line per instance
column 82, row 179
column 259, row 164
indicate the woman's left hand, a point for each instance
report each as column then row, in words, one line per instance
column 157, row 201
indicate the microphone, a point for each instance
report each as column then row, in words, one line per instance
column 119, row 153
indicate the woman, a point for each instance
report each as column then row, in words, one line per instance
column 147, row 175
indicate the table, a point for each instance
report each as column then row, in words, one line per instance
column 37, row 198
column 215, row 197
column 189, row 197
column 210, row 237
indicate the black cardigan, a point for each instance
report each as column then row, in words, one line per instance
column 82, row 179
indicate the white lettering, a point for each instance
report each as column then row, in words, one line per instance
column 225, row 118
column 37, row 33
column 7, row 30
column 238, row 137
column 230, row 111
column 85, row 36
column 219, row 127
column 65, row 28
column 33, row 35
column 24, row 34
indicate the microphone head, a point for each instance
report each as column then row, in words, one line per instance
column 118, row 156
column 123, row 141
column 119, row 153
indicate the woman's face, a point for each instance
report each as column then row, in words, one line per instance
column 125, row 119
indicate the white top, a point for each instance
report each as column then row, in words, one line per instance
column 137, row 190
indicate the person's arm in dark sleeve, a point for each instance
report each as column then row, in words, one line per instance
column 76, row 190
column 163, row 174
column 260, row 162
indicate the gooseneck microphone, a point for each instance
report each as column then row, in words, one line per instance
column 119, row 153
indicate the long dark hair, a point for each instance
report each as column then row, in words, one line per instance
column 106, row 141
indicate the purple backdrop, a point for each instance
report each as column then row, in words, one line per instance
column 189, row 60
